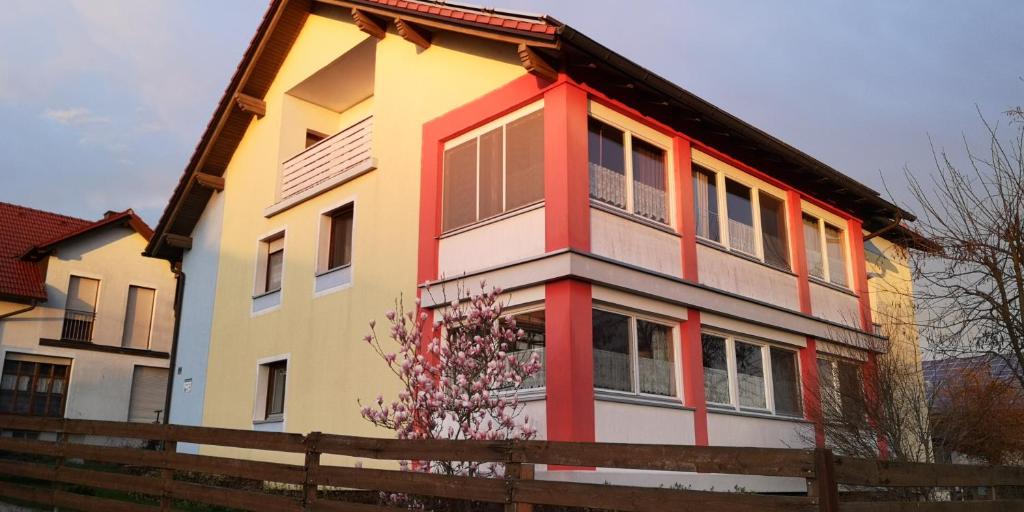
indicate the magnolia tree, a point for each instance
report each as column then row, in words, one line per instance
column 462, row 383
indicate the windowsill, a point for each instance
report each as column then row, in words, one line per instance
column 332, row 280
column 716, row 409
column 753, row 259
column 266, row 302
column 277, row 418
column 607, row 395
column 836, row 287
column 619, row 212
column 492, row 219
column 266, row 294
column 333, row 270
column 114, row 349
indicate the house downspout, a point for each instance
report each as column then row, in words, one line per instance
column 32, row 305
column 179, row 295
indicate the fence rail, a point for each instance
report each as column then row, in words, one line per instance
column 59, row 467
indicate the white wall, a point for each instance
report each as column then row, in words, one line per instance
column 834, row 305
column 507, row 240
column 732, row 273
column 635, row 243
column 642, row 424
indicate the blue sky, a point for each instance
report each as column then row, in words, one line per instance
column 103, row 101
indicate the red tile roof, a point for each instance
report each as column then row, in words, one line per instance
column 476, row 15
column 22, row 228
column 27, row 233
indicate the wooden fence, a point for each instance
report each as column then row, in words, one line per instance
column 55, row 473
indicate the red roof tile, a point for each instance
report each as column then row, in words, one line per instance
column 26, row 233
column 475, row 15
column 22, row 228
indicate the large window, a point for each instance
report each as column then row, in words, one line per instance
column 532, row 325
column 828, row 264
column 842, row 389
column 637, row 184
column 742, row 217
column 138, row 317
column 80, row 309
column 633, row 354
column 33, row 385
column 750, row 376
column 495, row 171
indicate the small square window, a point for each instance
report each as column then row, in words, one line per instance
column 340, row 238
column 270, row 265
column 277, row 376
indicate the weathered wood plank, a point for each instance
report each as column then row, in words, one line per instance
column 443, row 486
column 936, row 506
column 233, row 498
column 855, row 471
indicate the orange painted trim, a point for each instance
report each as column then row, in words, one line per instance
column 569, row 356
column 566, row 174
column 811, row 384
column 507, row 98
column 686, row 218
column 798, row 249
column 692, row 366
column 855, row 230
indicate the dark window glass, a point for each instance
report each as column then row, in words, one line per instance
column 773, row 231
column 716, row 369
column 750, row 376
column 33, row 388
column 741, row 217
column 607, row 164
column 851, row 391
column 532, row 325
column 612, row 365
column 275, row 265
column 836, row 255
column 276, row 379
column 524, row 160
column 459, row 189
column 649, row 185
column 313, row 137
column 705, row 204
column 655, row 358
column 785, row 382
column 812, row 242
column 340, row 252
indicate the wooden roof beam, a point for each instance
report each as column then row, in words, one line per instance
column 177, row 241
column 210, row 181
column 536, row 64
column 368, row 24
column 250, row 104
column 413, row 33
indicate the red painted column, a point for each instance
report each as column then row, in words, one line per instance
column 693, row 375
column 809, row 355
column 685, row 218
column 569, row 351
column 860, row 275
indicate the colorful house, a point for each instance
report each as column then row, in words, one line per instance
column 85, row 320
column 685, row 275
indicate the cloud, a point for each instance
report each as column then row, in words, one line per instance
column 75, row 116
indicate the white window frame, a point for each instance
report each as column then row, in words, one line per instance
column 844, row 238
column 259, row 409
column 152, row 313
column 262, row 261
column 730, row 358
column 476, row 133
column 635, row 358
column 755, row 205
column 627, row 148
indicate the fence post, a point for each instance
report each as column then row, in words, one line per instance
column 168, row 447
column 824, row 486
column 515, row 471
column 62, row 445
column 312, row 467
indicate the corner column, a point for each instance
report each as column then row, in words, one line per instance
column 568, row 331
column 809, row 355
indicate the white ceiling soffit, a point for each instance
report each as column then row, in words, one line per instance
column 344, row 82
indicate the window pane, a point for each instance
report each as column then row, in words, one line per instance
column 705, row 204
column 275, row 264
column 741, row 217
column 716, row 369
column 607, row 164
column 851, row 392
column 836, row 255
column 773, row 231
column 785, row 382
column 750, row 376
column 532, row 324
column 459, row 190
column 340, row 251
column 524, row 160
column 491, row 144
column 312, row 138
column 812, row 241
column 655, row 358
column 612, row 366
column 138, row 317
column 649, row 181
column 278, row 377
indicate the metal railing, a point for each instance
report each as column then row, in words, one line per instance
column 77, row 325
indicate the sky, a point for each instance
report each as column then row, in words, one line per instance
column 103, row 101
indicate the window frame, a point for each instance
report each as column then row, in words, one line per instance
column 33, row 382
column 263, row 391
column 834, row 362
column 541, row 375
column 634, row 356
column 756, row 189
column 769, row 378
column 844, row 240
column 476, row 134
column 627, row 149
column 273, row 369
column 152, row 314
column 262, row 268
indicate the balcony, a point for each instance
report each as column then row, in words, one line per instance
column 77, row 325
column 326, row 165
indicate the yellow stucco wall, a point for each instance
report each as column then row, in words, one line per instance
column 329, row 364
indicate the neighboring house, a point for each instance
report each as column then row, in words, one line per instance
column 685, row 275
column 85, row 319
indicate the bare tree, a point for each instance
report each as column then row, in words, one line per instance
column 968, row 290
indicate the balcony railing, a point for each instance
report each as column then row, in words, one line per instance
column 344, row 152
column 78, row 325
